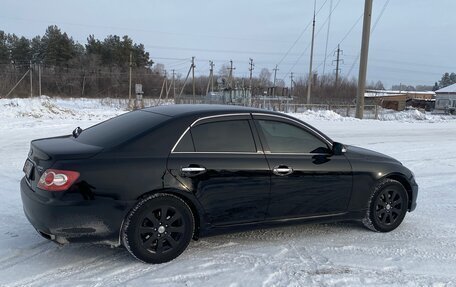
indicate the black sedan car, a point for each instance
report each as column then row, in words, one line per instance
column 153, row 179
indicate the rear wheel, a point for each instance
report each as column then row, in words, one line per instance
column 158, row 228
column 387, row 206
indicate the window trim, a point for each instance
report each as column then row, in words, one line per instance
column 314, row 131
column 252, row 117
column 290, row 121
column 215, row 152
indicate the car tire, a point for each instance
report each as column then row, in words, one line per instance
column 158, row 229
column 387, row 206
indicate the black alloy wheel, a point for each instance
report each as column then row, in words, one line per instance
column 161, row 229
column 387, row 206
column 158, row 229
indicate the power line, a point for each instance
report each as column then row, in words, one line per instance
column 327, row 35
column 180, row 34
column 308, row 46
column 214, row 50
column 351, row 28
column 300, row 35
column 344, row 37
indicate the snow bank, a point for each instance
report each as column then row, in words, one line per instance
column 49, row 108
column 99, row 109
column 326, row 115
column 412, row 115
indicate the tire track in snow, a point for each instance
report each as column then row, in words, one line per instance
column 22, row 255
column 84, row 266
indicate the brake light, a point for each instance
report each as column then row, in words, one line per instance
column 57, row 180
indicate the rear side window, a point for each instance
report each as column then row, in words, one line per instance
column 223, row 136
column 185, row 144
column 282, row 137
column 120, row 129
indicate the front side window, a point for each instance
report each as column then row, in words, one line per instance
column 282, row 137
column 223, row 136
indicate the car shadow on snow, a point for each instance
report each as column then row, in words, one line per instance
column 94, row 252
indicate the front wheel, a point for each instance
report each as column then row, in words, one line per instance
column 158, row 228
column 387, row 206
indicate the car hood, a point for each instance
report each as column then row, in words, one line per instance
column 354, row 152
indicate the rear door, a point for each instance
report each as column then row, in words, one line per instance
column 307, row 180
column 220, row 160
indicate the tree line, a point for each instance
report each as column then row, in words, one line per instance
column 67, row 68
column 100, row 68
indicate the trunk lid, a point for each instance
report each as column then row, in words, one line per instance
column 45, row 152
column 64, row 147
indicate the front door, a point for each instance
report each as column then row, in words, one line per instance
column 307, row 180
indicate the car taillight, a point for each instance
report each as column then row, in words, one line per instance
column 57, row 180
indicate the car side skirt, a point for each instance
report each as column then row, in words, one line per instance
column 280, row 222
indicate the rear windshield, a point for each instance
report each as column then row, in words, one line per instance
column 120, row 129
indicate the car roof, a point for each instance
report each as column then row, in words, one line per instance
column 202, row 109
column 195, row 111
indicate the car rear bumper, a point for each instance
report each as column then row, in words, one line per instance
column 74, row 221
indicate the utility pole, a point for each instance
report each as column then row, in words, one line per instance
column 174, row 84
column 230, row 74
column 31, row 80
column 39, row 77
column 212, row 76
column 186, row 79
column 274, row 82
column 210, row 83
column 363, row 59
column 338, row 60
column 291, row 84
column 164, row 88
column 193, row 77
column 129, row 82
column 167, row 89
column 250, row 77
column 230, row 77
column 309, row 84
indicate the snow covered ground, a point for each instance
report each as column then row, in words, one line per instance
column 421, row 252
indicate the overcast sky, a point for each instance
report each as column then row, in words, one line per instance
column 413, row 42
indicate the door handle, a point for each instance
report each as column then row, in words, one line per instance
column 282, row 170
column 192, row 170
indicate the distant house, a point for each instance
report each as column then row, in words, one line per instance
column 445, row 99
column 397, row 100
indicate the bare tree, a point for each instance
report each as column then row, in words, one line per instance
column 265, row 77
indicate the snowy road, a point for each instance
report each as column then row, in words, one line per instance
column 421, row 252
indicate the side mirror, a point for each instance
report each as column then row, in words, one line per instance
column 77, row 131
column 338, row 149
